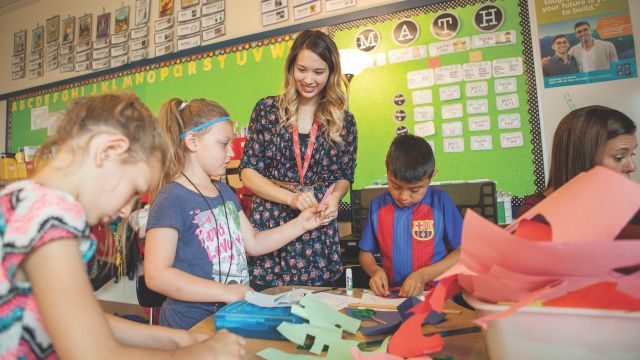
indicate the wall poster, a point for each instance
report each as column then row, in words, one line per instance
column 585, row 41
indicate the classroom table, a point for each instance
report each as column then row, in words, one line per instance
column 465, row 346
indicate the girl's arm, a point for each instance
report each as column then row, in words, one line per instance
column 261, row 242
column 74, row 320
column 162, row 277
column 133, row 333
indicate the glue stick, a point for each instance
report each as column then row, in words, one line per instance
column 349, row 277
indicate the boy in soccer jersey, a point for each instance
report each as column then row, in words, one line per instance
column 416, row 228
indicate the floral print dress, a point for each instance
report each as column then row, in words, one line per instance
column 313, row 258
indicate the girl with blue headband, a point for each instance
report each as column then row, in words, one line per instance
column 198, row 238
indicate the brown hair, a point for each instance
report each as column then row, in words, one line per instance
column 122, row 113
column 333, row 98
column 176, row 117
column 580, row 140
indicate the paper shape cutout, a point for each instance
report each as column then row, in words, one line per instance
column 379, row 354
column 323, row 336
column 602, row 295
column 325, row 197
column 533, row 230
column 393, row 320
column 297, row 333
column 265, row 300
column 320, row 314
column 587, row 194
column 409, row 341
column 275, row 354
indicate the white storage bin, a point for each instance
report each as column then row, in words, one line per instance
column 543, row 332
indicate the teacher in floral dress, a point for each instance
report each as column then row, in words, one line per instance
column 298, row 145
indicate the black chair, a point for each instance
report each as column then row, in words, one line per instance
column 147, row 297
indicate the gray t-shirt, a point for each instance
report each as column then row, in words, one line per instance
column 201, row 237
column 599, row 57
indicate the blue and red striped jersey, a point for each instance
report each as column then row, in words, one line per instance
column 413, row 237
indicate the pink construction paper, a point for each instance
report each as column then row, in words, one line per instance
column 605, row 200
column 485, row 245
column 325, row 197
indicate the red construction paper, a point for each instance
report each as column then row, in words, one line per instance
column 533, row 230
column 602, row 295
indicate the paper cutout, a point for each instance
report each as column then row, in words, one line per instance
column 408, row 341
column 602, row 295
column 620, row 196
column 325, row 197
column 320, row 314
column 533, row 230
column 323, row 336
column 297, row 333
column 265, row 300
column 379, row 354
column 275, row 354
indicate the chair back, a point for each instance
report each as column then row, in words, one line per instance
column 146, row 296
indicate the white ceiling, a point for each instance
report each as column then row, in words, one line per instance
column 4, row 4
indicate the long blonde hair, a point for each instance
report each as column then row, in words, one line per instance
column 176, row 117
column 123, row 113
column 333, row 98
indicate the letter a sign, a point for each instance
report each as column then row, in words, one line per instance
column 488, row 18
column 405, row 32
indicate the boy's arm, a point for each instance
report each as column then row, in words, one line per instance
column 413, row 285
column 378, row 282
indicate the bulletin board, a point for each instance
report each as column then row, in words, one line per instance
column 470, row 94
column 236, row 77
column 434, row 76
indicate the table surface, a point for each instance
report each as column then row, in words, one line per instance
column 465, row 346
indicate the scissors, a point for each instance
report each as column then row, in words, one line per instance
column 368, row 314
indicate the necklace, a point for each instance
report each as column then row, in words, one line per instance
column 215, row 220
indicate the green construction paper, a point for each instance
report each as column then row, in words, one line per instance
column 297, row 333
column 275, row 354
column 341, row 349
column 321, row 314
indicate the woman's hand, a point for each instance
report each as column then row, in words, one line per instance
column 302, row 200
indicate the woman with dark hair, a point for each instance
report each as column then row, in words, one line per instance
column 586, row 137
column 298, row 144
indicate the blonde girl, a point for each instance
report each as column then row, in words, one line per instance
column 197, row 236
column 298, row 145
column 106, row 152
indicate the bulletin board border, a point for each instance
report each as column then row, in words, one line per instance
column 214, row 49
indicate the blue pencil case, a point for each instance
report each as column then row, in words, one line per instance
column 253, row 321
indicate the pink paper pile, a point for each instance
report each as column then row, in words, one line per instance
column 569, row 262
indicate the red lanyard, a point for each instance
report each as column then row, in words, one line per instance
column 296, row 149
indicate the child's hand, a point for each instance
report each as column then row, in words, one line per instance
column 236, row 292
column 379, row 283
column 329, row 210
column 310, row 218
column 413, row 285
column 303, row 200
column 223, row 345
